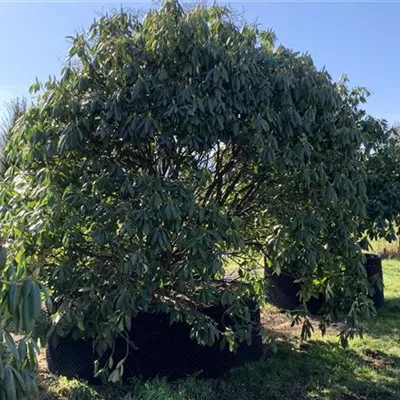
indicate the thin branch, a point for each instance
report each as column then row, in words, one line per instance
column 230, row 188
column 218, row 180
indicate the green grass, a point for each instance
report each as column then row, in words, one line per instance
column 320, row 369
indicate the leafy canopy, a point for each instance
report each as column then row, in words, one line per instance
column 169, row 146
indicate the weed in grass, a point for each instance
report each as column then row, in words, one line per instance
column 69, row 389
column 160, row 390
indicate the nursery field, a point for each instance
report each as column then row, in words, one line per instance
column 319, row 369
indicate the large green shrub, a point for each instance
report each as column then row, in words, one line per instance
column 171, row 145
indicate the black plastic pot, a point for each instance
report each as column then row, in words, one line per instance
column 282, row 290
column 373, row 266
column 162, row 350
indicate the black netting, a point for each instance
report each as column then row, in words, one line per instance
column 281, row 291
column 163, row 350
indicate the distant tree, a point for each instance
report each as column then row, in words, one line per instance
column 14, row 110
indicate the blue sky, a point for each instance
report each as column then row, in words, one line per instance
column 360, row 39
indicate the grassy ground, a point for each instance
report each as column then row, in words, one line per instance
column 319, row 369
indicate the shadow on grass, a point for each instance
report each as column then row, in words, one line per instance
column 315, row 370
column 321, row 370
column 369, row 370
column 392, row 307
column 387, row 322
column 318, row 370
